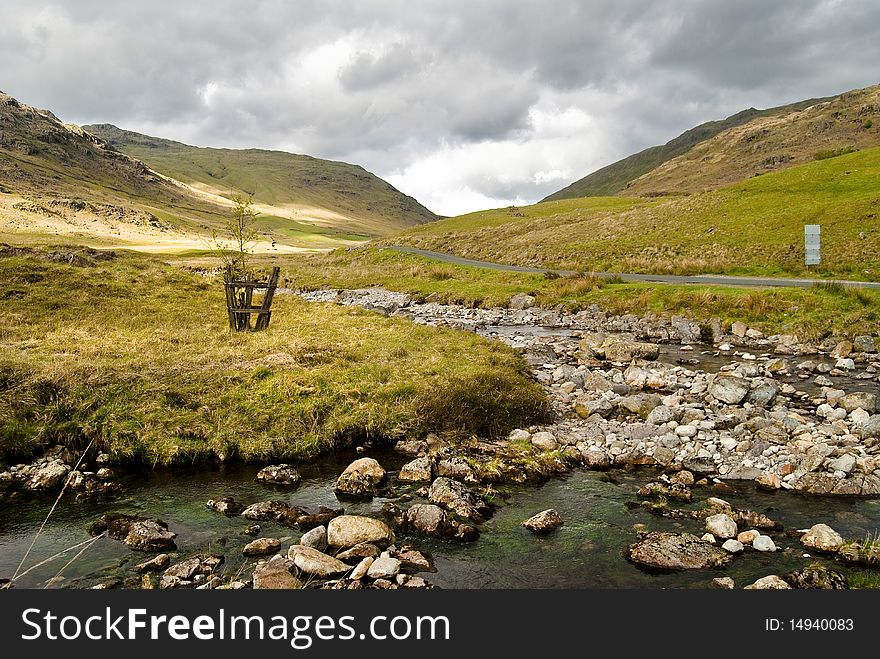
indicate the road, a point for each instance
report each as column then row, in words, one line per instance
column 706, row 280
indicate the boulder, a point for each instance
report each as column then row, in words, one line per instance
column 227, row 506
column 262, row 547
column 544, row 522
column 733, row 546
column 865, row 344
column 842, row 350
column 155, row 564
column 138, row 533
column 360, row 570
column 413, row 560
column 420, row 469
column 725, row 583
column 282, row 474
column 360, row 479
column 768, row 481
column 273, row 511
column 316, row 538
column 763, row 543
column 275, row 574
column 641, row 404
column 763, row 392
column 544, row 441
column 457, row 468
column 770, row 582
column 624, row 349
column 521, row 301
column 431, row 520
column 49, row 476
column 677, row 551
column 350, row 530
column 316, row 563
column 816, row 576
column 458, row 498
column 384, row 567
column 729, row 389
column 870, row 429
column 721, row 526
column 859, row 400
column 822, row 537
column 660, row 415
column 359, row 552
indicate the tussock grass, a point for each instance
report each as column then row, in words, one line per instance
column 136, row 355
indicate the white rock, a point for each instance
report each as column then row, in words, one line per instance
column 763, row 543
column 545, row 441
column 721, row 526
column 733, row 546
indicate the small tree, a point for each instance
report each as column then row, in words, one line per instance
column 235, row 248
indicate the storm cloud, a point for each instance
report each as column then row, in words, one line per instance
column 464, row 105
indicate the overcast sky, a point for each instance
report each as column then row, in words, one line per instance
column 462, row 104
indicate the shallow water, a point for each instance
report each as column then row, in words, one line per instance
column 588, row 551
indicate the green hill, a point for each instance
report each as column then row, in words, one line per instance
column 615, row 177
column 337, row 194
column 752, row 227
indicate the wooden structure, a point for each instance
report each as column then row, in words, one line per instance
column 240, row 303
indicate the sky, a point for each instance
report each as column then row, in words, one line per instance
column 464, row 105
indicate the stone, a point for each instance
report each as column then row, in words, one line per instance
column 721, row 526
column 185, row 570
column 763, row 543
column 262, row 547
column 660, row 415
column 432, row 520
column 360, row 479
column 687, row 330
column 723, row 582
column 763, row 393
column 870, row 429
column 544, row 522
column 625, row 349
column 360, row 570
column 412, row 447
column 519, row 435
column 275, row 575
column 521, row 301
column 457, row 468
column 420, row 469
column 273, row 511
column 816, row 576
column 595, row 458
column 733, row 546
column 458, row 498
column 309, row 519
column 859, row 400
column 865, row 344
column 770, row 582
column 845, row 463
column 253, row 529
column 359, row 552
column 585, row 408
column 227, row 506
column 316, row 538
column 729, row 389
column 316, row 563
column 282, row 474
column 49, row 477
column 738, row 329
column 413, row 560
column 384, row 567
column 595, row 382
column 349, row 530
column 822, row 537
column 768, row 481
column 842, row 349
column 845, row 364
column 545, row 441
column 155, row 564
column 747, row 537
column 641, row 404
column 138, row 533
column 676, row 551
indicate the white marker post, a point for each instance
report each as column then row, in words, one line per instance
column 812, row 240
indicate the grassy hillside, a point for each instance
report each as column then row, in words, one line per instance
column 356, row 200
column 137, row 356
column 848, row 122
column 613, row 178
column 755, row 227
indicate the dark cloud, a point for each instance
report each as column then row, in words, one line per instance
column 481, row 102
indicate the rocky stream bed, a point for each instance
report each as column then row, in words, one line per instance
column 679, row 454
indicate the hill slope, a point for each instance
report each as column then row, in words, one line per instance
column 293, row 186
column 616, row 177
column 847, row 122
column 753, row 227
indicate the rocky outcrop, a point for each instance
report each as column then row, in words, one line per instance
column 676, row 551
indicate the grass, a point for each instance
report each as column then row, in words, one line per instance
column 812, row 313
column 754, row 228
column 136, row 355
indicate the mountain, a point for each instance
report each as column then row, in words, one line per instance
column 756, row 154
column 288, row 185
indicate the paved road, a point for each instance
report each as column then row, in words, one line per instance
column 712, row 280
